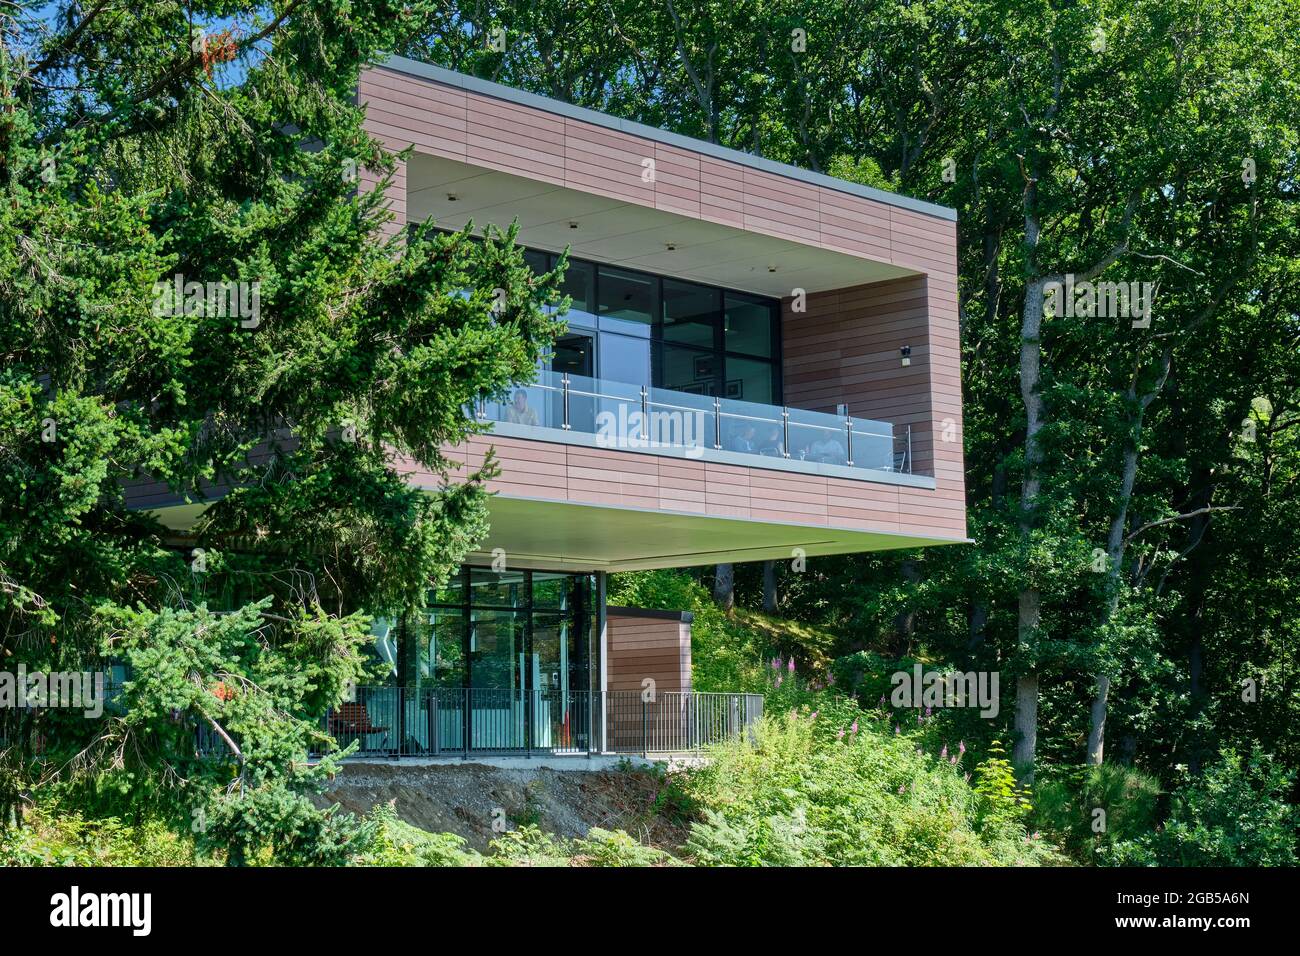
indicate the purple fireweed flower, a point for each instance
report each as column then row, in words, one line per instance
column 776, row 663
column 839, row 734
column 961, row 747
column 943, row 754
column 896, row 730
column 790, row 666
column 953, row 760
column 854, row 727
column 927, row 711
column 778, row 680
column 830, row 680
column 900, row 788
column 813, row 715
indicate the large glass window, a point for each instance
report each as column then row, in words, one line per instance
column 690, row 314
column 747, row 324
column 641, row 329
column 508, row 630
column 749, row 380
column 628, row 301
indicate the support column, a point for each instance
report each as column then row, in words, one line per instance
column 603, row 642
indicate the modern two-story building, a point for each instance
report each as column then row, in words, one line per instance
column 760, row 363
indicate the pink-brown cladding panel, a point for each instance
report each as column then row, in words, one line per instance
column 488, row 131
column 647, row 644
column 846, row 348
column 551, row 471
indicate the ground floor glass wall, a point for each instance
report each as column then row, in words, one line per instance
column 495, row 661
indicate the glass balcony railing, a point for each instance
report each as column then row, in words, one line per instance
column 626, row 416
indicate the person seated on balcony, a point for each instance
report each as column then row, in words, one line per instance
column 743, row 438
column 829, row 451
column 520, row 412
column 771, row 444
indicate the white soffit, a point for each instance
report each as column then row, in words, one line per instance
column 628, row 234
column 563, row 536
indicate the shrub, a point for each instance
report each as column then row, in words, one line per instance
column 617, row 848
column 529, row 846
column 1066, row 800
column 1233, row 814
column 47, row 838
column 815, row 790
column 397, row 843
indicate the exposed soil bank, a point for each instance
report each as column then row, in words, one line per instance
column 463, row 798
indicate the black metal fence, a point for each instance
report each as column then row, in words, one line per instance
column 410, row 722
column 389, row 721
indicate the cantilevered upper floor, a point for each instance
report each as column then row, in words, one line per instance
column 797, row 334
column 760, row 361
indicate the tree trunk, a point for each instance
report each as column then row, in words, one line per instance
column 1030, row 600
column 1115, row 546
column 1097, row 716
column 1022, row 754
column 769, row 587
column 724, row 587
column 905, row 621
column 1026, row 723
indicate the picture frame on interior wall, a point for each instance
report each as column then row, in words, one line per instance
column 705, row 368
column 735, row 388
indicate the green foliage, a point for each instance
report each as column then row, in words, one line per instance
column 283, row 428
column 1236, row 813
column 617, row 848
column 49, row 838
column 1066, row 801
column 397, row 843
column 529, row 846
column 1002, row 803
column 727, row 653
column 812, row 790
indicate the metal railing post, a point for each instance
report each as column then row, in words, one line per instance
column 564, row 388
column 432, row 711
column 848, row 426
column 907, row 462
column 785, row 432
column 645, row 730
column 717, row 422
column 645, row 415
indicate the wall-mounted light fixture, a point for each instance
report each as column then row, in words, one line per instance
column 573, row 225
column 906, row 353
column 451, row 197
column 771, row 268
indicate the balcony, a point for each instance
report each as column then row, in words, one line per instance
column 571, row 408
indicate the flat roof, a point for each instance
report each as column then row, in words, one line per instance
column 544, row 103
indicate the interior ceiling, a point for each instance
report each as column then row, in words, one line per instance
column 622, row 233
column 561, row 536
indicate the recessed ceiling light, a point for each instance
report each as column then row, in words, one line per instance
column 771, row 268
column 573, row 225
column 451, row 197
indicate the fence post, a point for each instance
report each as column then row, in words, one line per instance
column 645, row 736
